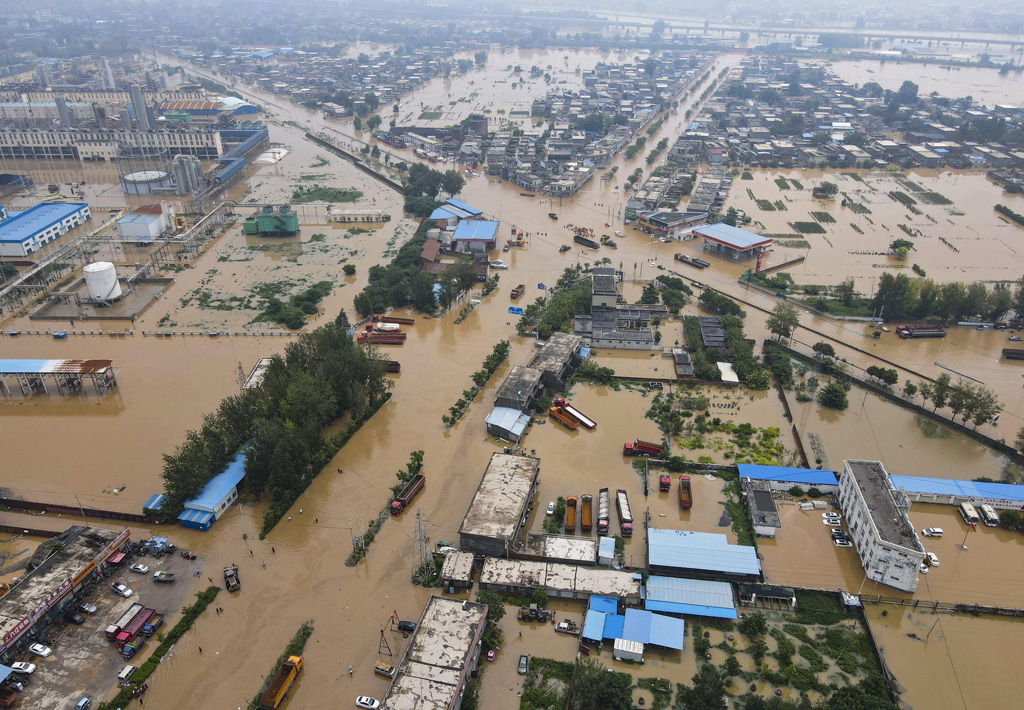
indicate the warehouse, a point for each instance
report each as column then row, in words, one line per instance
column 876, row 516
column 559, row 548
column 947, row 491
column 559, row 580
column 440, row 658
column 693, row 597
column 457, row 571
column 216, row 497
column 499, row 507
column 143, row 223
column 764, row 514
column 24, row 232
column 782, row 478
column 76, row 561
column 680, row 553
column 638, row 628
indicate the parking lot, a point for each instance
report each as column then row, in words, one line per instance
column 84, row 663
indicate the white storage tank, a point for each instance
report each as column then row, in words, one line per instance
column 101, row 279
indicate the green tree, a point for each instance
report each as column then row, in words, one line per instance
column 941, row 391
column 707, row 692
column 824, row 349
column 759, row 380
column 452, row 182
column 909, row 389
column 753, row 624
column 783, row 320
column 650, row 294
column 373, row 122
column 349, row 269
column 480, row 57
column 495, row 604
column 829, row 188
column 833, row 396
column 595, row 688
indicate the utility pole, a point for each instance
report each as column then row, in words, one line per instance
column 80, row 508
column 419, row 541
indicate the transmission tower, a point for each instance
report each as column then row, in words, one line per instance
column 419, row 542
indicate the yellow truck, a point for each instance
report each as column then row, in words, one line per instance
column 280, row 683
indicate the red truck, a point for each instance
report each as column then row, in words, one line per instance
column 639, row 447
column 665, row 483
column 126, row 619
column 128, row 632
column 685, row 495
column 518, row 291
column 394, row 319
column 404, row 498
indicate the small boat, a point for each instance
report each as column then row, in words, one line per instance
column 526, row 194
column 61, row 335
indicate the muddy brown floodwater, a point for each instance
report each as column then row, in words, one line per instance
column 90, row 445
column 986, row 86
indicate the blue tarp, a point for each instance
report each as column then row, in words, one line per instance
column 959, row 488
column 803, row 476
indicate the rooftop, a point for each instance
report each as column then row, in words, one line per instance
column 508, row 419
column 78, row 547
column 710, row 552
column 696, row 597
column 558, row 577
column 573, row 549
column 520, row 382
column 557, row 351
column 220, row 485
column 761, row 502
column 458, row 566
column 997, row 492
column 50, row 367
column 739, row 239
column 22, row 226
column 803, row 476
column 436, row 661
column 890, row 520
column 463, row 206
column 475, row 230
column 501, row 497
column 604, row 284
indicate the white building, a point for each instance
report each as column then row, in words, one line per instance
column 24, row 232
column 144, row 223
column 876, row 516
column 102, row 144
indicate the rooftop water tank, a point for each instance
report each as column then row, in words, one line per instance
column 101, row 279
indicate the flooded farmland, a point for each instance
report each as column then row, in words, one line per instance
column 90, row 445
column 986, row 86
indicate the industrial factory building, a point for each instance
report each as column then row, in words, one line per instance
column 499, row 507
column 24, row 232
column 441, row 657
column 58, row 575
column 144, row 223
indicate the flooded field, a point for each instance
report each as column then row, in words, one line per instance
column 90, row 445
column 946, row 661
column 987, row 86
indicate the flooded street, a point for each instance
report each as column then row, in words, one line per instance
column 89, row 445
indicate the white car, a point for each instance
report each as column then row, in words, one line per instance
column 551, row 508
column 139, row 568
column 40, row 650
column 365, row 701
column 122, row 589
column 842, row 542
column 924, row 568
column 498, row 264
column 831, row 515
column 831, row 522
column 933, row 559
column 23, row 667
column 932, row 532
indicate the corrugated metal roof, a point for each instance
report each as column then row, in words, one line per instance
column 154, row 501
column 220, row 485
column 24, row 225
column 806, row 476
column 51, row 367
column 463, row 206
column 605, row 605
column 690, row 591
column 647, row 628
column 593, row 625
column 196, row 517
column 959, row 488
column 684, row 549
column 475, row 230
column 734, row 237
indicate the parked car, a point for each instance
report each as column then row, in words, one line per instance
column 139, row 568
column 407, row 626
column 830, row 514
column 490, row 655
column 74, row 617
column 23, row 667
column 365, row 701
column 831, row 522
column 122, row 589
column 933, row 559
column 524, row 664
column 842, row 542
column 83, row 704
column 932, row 532
column 40, row 650
column 446, row 549
column 551, row 508
column 838, row 533
column 498, row 264
column 87, row 608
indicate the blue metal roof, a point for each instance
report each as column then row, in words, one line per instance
column 963, row 489
column 656, row 629
column 463, row 206
column 805, row 476
column 442, row 213
column 731, row 236
column 154, row 501
column 220, row 485
column 606, row 547
column 684, row 549
column 613, row 625
column 605, row 605
column 24, row 225
column 5, row 672
column 696, row 597
column 475, row 230
column 593, row 625
column 196, row 517
column 509, row 419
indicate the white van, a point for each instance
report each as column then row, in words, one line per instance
column 126, row 673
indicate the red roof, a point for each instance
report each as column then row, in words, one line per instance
column 189, row 106
column 430, row 249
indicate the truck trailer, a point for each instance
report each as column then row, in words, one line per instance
column 126, row 618
column 586, row 512
column 625, row 514
column 603, row 510
column 576, row 414
column 280, row 683
column 639, row 447
column 685, row 494
column 570, row 514
column 403, row 499
column 560, row 414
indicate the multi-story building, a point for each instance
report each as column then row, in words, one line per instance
column 876, row 516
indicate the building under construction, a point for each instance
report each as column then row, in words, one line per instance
column 66, row 375
column 268, row 222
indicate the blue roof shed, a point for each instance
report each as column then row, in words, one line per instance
column 463, row 206
column 802, row 476
column 697, row 552
column 216, row 496
column 979, row 491
column 475, row 231
column 696, row 597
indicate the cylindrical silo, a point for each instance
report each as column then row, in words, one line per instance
column 101, row 279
